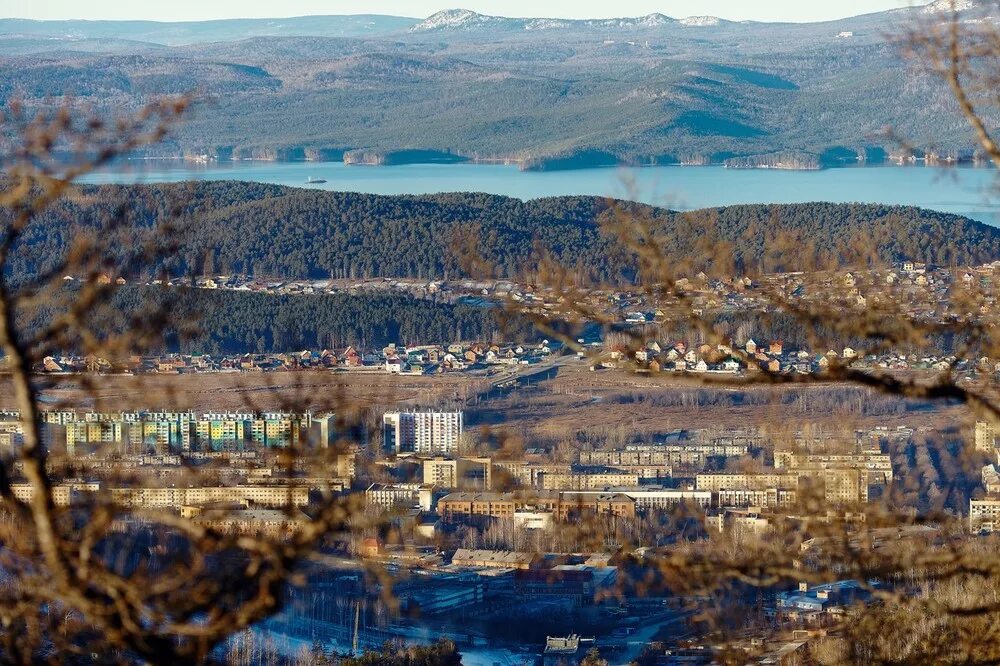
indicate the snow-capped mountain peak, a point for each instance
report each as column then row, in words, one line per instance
column 546, row 24
column 653, row 20
column 700, row 21
column 453, row 18
column 948, row 5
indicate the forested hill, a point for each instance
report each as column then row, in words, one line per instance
column 268, row 230
column 546, row 94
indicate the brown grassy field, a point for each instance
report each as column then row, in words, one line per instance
column 622, row 404
column 206, row 392
column 576, row 400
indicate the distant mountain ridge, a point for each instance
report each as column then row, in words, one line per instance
column 541, row 93
column 468, row 19
column 193, row 32
column 178, row 33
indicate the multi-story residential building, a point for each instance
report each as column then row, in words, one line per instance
column 742, row 520
column 761, row 498
column 345, row 466
column 564, row 506
column 647, row 464
column 400, row 495
column 234, row 431
column 991, row 479
column 279, row 429
column 538, row 471
column 518, row 470
column 326, row 430
column 878, row 465
column 687, row 455
column 11, row 436
column 159, row 432
column 222, row 431
column 986, row 436
column 174, row 498
column 62, row 493
column 55, row 417
column 422, row 432
column 839, row 486
column 654, row 498
column 96, row 431
column 984, row 514
column 458, row 506
column 715, row 482
column 646, row 472
column 588, row 480
column 469, row 473
column 617, row 457
column 611, row 504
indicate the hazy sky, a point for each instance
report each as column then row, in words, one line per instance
column 181, row 10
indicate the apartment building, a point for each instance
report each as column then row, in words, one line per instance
column 762, row 498
column 838, row 486
column 468, row 473
column 878, row 464
column 618, row 457
column 400, row 495
column 986, row 436
column 11, row 436
column 984, row 514
column 161, row 432
column 687, row 455
column 588, row 480
column 741, row 520
column 94, row 433
column 610, row 504
column 655, row 498
column 714, row 482
column 518, row 470
column 174, row 498
column 561, row 506
column 233, row 431
column 422, row 432
column 62, row 493
column 461, row 506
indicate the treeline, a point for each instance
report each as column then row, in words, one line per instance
column 269, row 230
column 234, row 322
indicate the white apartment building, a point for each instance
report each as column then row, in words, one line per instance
column 422, row 432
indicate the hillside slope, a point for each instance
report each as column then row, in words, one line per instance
column 271, row 230
column 544, row 93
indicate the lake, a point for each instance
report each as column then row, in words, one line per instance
column 964, row 190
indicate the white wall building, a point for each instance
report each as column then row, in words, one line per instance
column 422, row 432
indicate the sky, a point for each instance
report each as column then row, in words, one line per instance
column 189, row 10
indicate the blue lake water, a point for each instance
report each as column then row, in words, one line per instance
column 967, row 191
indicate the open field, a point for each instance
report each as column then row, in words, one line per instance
column 317, row 390
column 610, row 403
column 618, row 405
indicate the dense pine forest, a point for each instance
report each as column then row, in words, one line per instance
column 269, row 230
column 233, row 322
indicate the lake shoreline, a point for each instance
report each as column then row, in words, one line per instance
column 540, row 165
column 962, row 189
